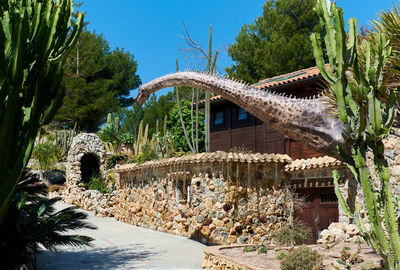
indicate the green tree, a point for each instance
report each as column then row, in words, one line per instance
column 35, row 38
column 277, row 42
column 98, row 81
column 175, row 127
column 156, row 108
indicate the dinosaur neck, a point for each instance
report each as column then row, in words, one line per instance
column 304, row 120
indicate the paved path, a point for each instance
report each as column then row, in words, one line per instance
column 118, row 245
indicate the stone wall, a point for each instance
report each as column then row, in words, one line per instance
column 214, row 202
column 84, row 143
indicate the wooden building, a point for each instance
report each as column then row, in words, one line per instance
column 232, row 127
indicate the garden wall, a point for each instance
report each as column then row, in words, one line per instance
column 213, row 197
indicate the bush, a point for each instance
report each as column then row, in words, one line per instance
column 47, row 154
column 114, row 159
column 292, row 235
column 146, row 154
column 97, row 183
column 263, row 250
column 303, row 258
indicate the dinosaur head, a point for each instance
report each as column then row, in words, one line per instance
column 142, row 96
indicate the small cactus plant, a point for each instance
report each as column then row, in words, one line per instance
column 303, row 258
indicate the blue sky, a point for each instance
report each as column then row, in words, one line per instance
column 151, row 29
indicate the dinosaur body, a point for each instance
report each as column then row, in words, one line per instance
column 304, row 120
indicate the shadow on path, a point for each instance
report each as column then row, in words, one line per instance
column 127, row 257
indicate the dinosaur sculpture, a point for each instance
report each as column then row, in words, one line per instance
column 304, row 120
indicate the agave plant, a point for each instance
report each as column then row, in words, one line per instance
column 32, row 223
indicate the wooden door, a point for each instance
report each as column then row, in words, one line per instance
column 320, row 209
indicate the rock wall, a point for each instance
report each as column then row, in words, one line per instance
column 221, row 203
column 84, row 143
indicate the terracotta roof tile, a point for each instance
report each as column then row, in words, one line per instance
column 288, row 78
column 293, row 77
column 312, row 163
column 218, row 156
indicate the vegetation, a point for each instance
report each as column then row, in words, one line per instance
column 114, row 159
column 366, row 107
column 31, row 223
column 98, row 81
column 302, row 258
column 47, row 154
column 64, row 138
column 155, row 109
column 97, row 183
column 277, row 42
column 174, row 125
column 35, row 38
column 295, row 234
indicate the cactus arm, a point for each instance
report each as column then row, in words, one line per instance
column 343, row 203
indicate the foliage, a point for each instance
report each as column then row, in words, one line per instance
column 47, row 154
column 163, row 145
column 114, row 159
column 146, row 154
column 127, row 138
column 64, row 139
column 281, row 256
column 263, row 250
column 302, row 258
column 174, row 125
column 35, row 37
column 110, row 131
column 366, row 108
column 295, row 234
column 31, row 223
column 155, row 108
column 97, row 183
column 277, row 42
column 98, row 82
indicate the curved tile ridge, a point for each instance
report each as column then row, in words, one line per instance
column 312, row 163
column 218, row 156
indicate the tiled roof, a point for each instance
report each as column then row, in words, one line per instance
column 312, row 163
column 293, row 77
column 218, row 156
column 288, row 78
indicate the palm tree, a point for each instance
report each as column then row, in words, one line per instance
column 32, row 223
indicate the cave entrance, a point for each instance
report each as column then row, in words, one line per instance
column 89, row 167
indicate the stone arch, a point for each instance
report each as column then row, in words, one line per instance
column 85, row 157
column 90, row 166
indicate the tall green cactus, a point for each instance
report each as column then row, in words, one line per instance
column 367, row 111
column 35, row 37
column 65, row 137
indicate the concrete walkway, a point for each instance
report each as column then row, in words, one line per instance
column 118, row 245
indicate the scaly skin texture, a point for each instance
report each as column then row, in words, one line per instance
column 304, row 120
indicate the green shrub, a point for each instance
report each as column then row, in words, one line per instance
column 146, row 154
column 250, row 249
column 114, row 159
column 263, row 250
column 281, row 256
column 97, row 183
column 292, row 235
column 302, row 258
column 127, row 138
column 111, row 177
column 47, row 154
